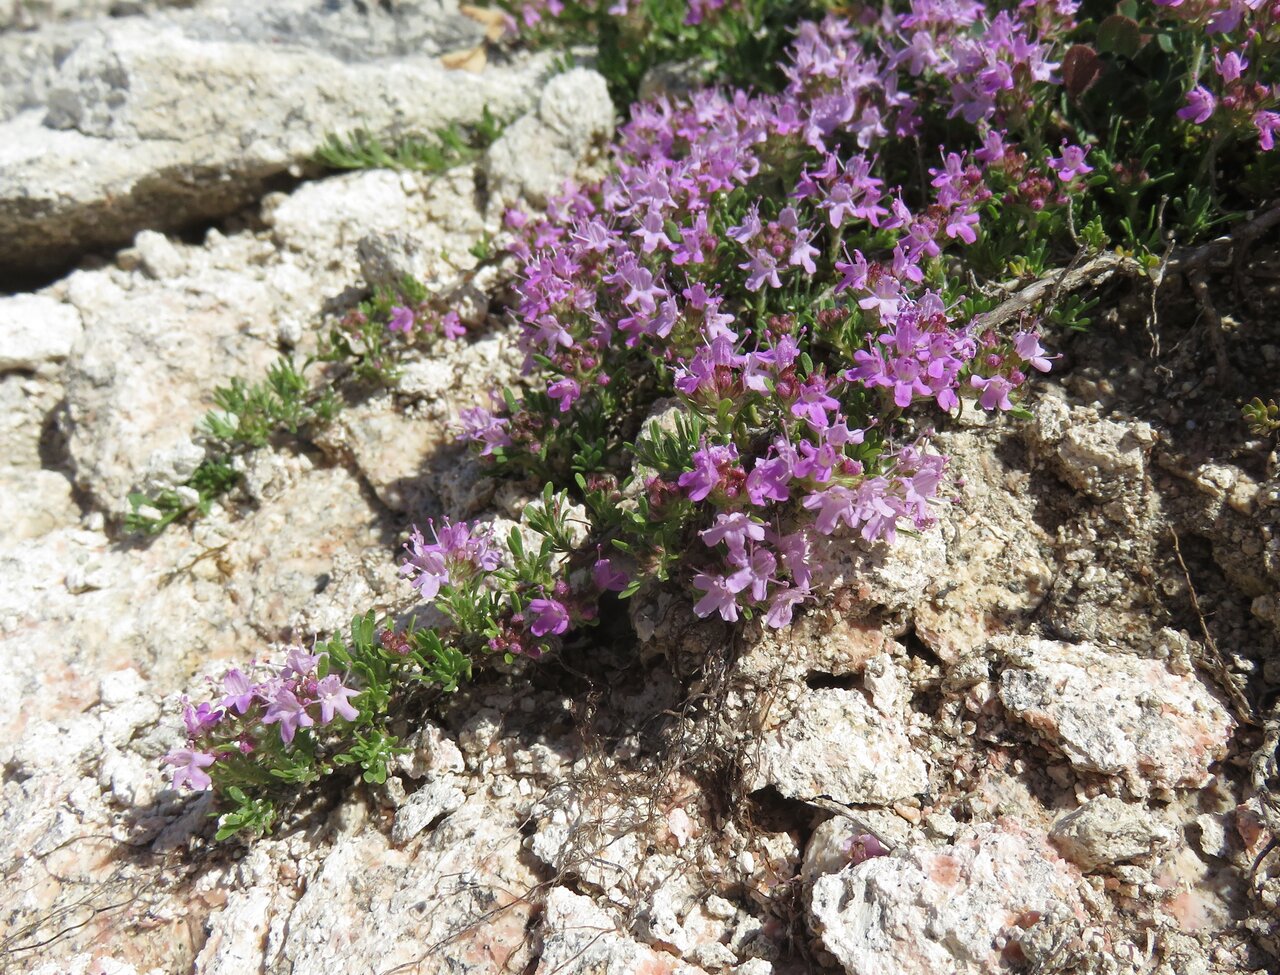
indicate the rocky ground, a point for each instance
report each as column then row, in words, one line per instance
column 1052, row 711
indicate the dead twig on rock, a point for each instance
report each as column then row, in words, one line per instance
column 1230, row 246
column 1213, row 661
column 1200, row 288
column 1074, row 276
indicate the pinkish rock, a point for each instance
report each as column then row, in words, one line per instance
column 1117, row 714
column 959, row 909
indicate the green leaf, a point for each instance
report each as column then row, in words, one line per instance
column 1121, row 35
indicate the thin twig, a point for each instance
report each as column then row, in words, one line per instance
column 1068, row 279
column 1241, row 235
column 1200, row 288
column 1213, row 662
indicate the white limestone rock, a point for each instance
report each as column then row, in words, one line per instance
column 437, row 798
column 154, row 124
column 832, row 742
column 535, row 155
column 36, row 331
column 579, row 938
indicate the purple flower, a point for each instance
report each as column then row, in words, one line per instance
column 401, row 320
column 762, row 269
column 189, row 768
column 200, row 719
column 426, row 563
column 960, row 224
column 289, row 712
column 814, row 402
column 481, row 426
column 1267, row 124
column 782, row 606
column 995, row 392
column 1028, row 348
column 699, row 9
column 451, row 325
column 863, row 847
column 833, row 506
column 566, row 392
column 748, row 230
column 1230, row 66
column 768, row 481
column 333, row 697
column 549, row 616
column 755, row 575
column 734, row 529
column 240, row 692
column 1071, row 163
column 607, row 577
column 1200, row 105
column 299, row 663
column 796, row 557
column 652, row 232
column 705, row 476
column 455, row 550
column 719, row 597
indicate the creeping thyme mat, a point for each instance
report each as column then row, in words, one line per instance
column 739, row 343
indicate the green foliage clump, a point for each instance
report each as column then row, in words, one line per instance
column 451, row 146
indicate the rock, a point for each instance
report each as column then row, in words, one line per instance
column 602, row 843
column 90, row 964
column 160, row 259
column 831, row 847
column 179, row 604
column 1212, row 838
column 1107, row 830
column 433, row 800
column 35, row 331
column 953, row 909
column 239, row 935
column 1100, row 458
column 822, row 642
column 35, row 502
column 999, row 560
column 832, row 743
column 26, row 14
column 215, row 320
column 534, row 156
column 1115, row 714
column 187, row 117
column 877, row 577
column 432, row 752
column 579, row 938
column 28, row 404
column 371, row 907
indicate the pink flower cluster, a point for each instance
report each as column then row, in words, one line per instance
column 646, row 264
column 1244, row 33
column 293, row 698
column 456, row 556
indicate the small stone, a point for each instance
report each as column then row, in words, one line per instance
column 160, row 259
column 806, row 752
column 1213, row 835
column 35, row 331
column 421, row 809
column 1107, row 830
column 579, row 936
